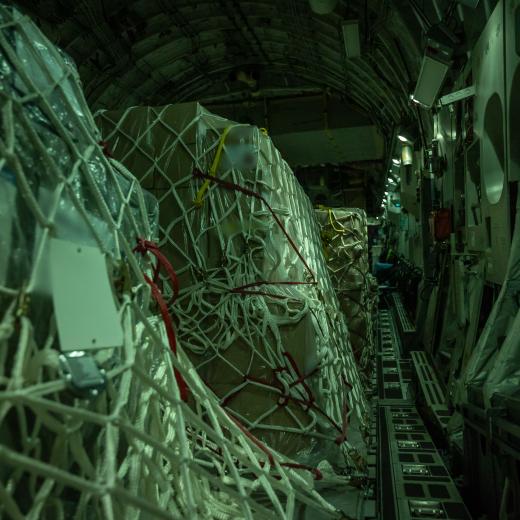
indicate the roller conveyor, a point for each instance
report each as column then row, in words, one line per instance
column 412, row 480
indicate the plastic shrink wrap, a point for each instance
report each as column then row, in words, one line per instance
column 256, row 311
column 91, row 432
column 345, row 242
column 493, row 368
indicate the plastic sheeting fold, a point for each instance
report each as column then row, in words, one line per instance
column 494, row 365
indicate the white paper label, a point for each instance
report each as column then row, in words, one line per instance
column 86, row 313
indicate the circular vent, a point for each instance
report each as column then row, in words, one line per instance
column 493, row 155
column 514, row 124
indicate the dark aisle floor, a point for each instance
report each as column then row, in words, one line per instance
column 412, row 480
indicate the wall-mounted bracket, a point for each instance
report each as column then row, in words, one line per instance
column 454, row 97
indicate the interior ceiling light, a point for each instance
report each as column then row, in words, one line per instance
column 407, row 155
column 435, row 65
column 391, row 181
column 396, row 161
column 431, row 78
column 407, row 133
column 350, row 29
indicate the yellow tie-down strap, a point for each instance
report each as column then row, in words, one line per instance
column 332, row 218
column 199, row 198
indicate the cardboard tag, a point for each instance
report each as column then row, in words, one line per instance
column 86, row 313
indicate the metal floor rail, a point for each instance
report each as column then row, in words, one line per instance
column 411, row 479
column 430, row 392
column 404, row 321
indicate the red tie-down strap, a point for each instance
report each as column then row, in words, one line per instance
column 343, row 436
column 315, row 471
column 310, row 402
column 245, row 289
column 270, row 456
column 106, row 149
column 306, row 403
column 144, row 247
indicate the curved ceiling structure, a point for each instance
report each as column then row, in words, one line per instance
column 223, row 52
column 167, row 51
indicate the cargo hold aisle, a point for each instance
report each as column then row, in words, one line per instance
column 412, row 480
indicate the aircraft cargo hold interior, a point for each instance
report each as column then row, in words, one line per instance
column 260, row 259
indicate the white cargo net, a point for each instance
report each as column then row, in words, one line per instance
column 256, row 312
column 137, row 450
column 345, row 240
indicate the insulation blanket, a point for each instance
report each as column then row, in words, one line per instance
column 345, row 241
column 256, row 313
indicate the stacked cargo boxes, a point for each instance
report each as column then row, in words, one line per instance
column 256, row 311
column 345, row 241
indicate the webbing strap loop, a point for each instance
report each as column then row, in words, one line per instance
column 199, row 198
column 331, row 220
column 246, row 191
column 145, row 246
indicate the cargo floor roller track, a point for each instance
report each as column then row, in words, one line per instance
column 412, row 481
